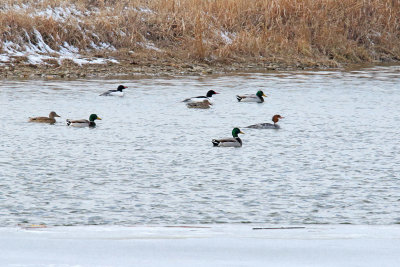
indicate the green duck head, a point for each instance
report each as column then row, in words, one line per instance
column 94, row 117
column 260, row 94
column 236, row 131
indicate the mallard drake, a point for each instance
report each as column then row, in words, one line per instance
column 51, row 119
column 117, row 92
column 275, row 119
column 230, row 142
column 202, row 105
column 258, row 97
column 201, row 97
column 84, row 123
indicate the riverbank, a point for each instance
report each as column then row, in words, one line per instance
column 202, row 245
column 83, row 38
column 131, row 68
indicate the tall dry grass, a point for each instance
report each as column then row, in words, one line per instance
column 303, row 31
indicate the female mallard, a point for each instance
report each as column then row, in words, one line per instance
column 275, row 119
column 117, row 92
column 258, row 97
column 230, row 142
column 51, row 119
column 202, row 105
column 201, row 97
column 84, row 123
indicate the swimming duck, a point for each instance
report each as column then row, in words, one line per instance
column 117, row 92
column 230, row 142
column 201, row 97
column 258, row 97
column 275, row 119
column 202, row 105
column 51, row 119
column 84, row 123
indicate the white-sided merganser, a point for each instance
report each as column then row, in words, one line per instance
column 201, row 97
column 117, row 92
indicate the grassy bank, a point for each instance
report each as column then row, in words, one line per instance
column 303, row 33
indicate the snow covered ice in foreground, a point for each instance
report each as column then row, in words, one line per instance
column 201, row 245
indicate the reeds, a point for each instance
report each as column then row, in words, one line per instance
column 291, row 31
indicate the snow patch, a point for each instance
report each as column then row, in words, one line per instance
column 145, row 10
column 38, row 51
column 202, row 245
column 33, row 46
column 149, row 46
column 227, row 37
column 4, row 58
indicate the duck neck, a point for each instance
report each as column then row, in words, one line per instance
column 92, row 124
column 238, row 139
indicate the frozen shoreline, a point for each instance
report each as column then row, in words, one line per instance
column 201, row 245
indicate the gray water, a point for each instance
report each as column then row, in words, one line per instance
column 150, row 160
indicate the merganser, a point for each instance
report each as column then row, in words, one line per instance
column 275, row 119
column 117, row 92
column 201, row 98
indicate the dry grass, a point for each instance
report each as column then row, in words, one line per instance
column 291, row 31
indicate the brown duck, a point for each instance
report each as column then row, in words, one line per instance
column 51, row 119
column 202, row 105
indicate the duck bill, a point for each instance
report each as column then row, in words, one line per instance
column 125, row 87
column 264, row 95
column 57, row 116
column 98, row 118
column 241, row 132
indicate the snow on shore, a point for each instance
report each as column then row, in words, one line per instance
column 36, row 50
column 214, row 245
column 39, row 52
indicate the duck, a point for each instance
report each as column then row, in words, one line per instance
column 229, row 142
column 84, row 123
column 209, row 94
column 51, row 119
column 258, row 97
column 205, row 104
column 275, row 119
column 117, row 92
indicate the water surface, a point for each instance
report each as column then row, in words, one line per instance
column 151, row 161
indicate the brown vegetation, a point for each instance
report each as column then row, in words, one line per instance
column 305, row 32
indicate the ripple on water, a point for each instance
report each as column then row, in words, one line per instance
column 150, row 160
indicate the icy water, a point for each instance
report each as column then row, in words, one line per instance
column 150, row 160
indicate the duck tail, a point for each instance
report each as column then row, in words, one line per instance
column 105, row 93
column 68, row 122
column 239, row 98
column 215, row 142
